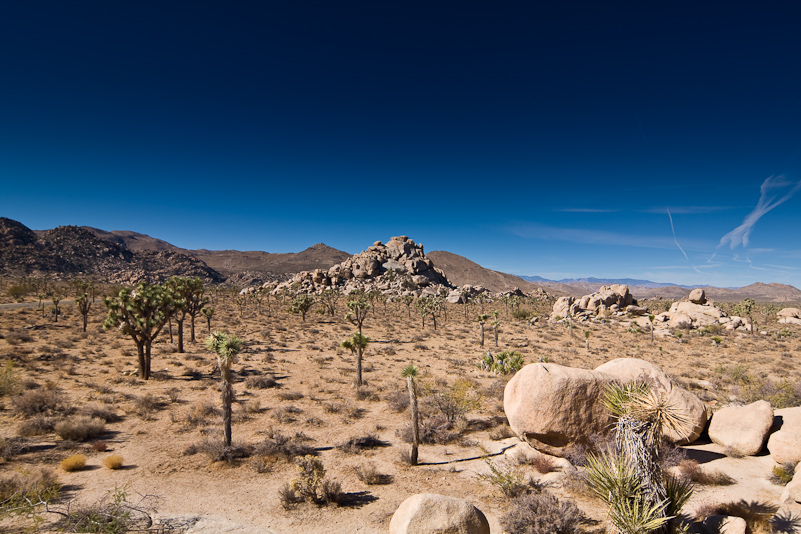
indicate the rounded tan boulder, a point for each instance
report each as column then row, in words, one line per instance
column 743, row 429
column 784, row 444
column 551, row 406
column 428, row 513
column 631, row 369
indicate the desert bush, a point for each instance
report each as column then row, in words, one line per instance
column 38, row 401
column 9, row 379
column 511, row 480
column 37, row 425
column 113, row 462
column 454, row 401
column 290, row 395
column 99, row 446
column 782, row 474
column 502, row 432
column 18, row 337
column 200, row 413
column 10, row 447
column 398, row 400
column 112, row 514
column 692, row 471
column 542, row 513
column 757, row 515
column 310, row 485
column 146, row 405
column 369, row 474
column 542, row 464
column 22, row 492
column 174, row 394
column 80, row 428
column 216, row 450
column 503, row 364
column 284, row 447
column 361, row 443
column 260, row 382
column 76, row 462
column 108, row 415
column 433, row 430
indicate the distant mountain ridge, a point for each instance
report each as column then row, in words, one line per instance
column 608, row 281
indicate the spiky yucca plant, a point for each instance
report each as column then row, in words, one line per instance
column 640, row 497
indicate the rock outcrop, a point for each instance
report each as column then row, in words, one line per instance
column 428, row 513
column 396, row 268
column 613, row 299
column 697, row 312
column 784, row 444
column 742, row 429
column 551, row 406
column 789, row 316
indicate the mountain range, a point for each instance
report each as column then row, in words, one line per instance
column 123, row 256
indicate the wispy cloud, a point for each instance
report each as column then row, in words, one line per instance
column 584, row 210
column 673, row 229
column 689, row 210
column 593, row 237
column 774, row 191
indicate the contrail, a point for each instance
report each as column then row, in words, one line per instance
column 740, row 235
column 672, row 229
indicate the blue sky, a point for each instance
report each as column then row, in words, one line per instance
column 584, row 139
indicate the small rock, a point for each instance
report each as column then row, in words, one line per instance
column 428, row 513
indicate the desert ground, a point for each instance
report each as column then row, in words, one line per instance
column 295, row 394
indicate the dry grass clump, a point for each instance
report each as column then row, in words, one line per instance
column 757, row 515
column 37, row 425
column 216, row 450
column 398, row 400
column 542, row 513
column 260, row 382
column 201, row 413
column 283, row 447
column 113, row 462
column 369, row 474
column 76, row 462
column 10, row 447
column 80, row 428
column 108, row 415
column 356, row 445
column 691, row 470
column 38, row 402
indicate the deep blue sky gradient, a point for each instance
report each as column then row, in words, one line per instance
column 531, row 138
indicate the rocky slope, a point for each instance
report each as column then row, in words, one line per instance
column 462, row 271
column 69, row 251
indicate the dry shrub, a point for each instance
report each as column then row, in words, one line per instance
column 76, row 462
column 38, row 402
column 113, row 462
column 433, row 430
column 290, row 395
column 200, row 413
column 31, row 483
column 542, row 513
column 691, row 470
column 18, row 336
column 260, row 382
column 361, row 443
column 80, row 428
column 757, row 515
column 283, row 447
column 10, row 447
column 109, row 415
column 502, row 432
column 542, row 463
column 37, row 425
column 216, row 450
column 99, row 446
column 332, row 407
column 782, row 474
column 146, row 405
column 369, row 474
column 398, row 400
column 510, row 479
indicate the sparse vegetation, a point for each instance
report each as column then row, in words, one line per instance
column 76, row 462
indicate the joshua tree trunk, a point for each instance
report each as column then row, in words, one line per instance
column 359, row 367
column 180, row 335
column 227, row 400
column 169, row 326
column 415, row 423
column 481, row 334
column 495, row 331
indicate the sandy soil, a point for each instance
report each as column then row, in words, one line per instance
column 315, row 399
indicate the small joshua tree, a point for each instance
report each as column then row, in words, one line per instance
column 84, row 304
column 55, row 298
column 301, row 304
column 481, row 319
column 226, row 347
column 356, row 343
column 208, row 313
column 358, row 307
column 651, row 318
column 587, row 337
column 495, row 324
column 409, row 373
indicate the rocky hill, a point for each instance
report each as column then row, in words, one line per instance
column 462, row 271
column 71, row 251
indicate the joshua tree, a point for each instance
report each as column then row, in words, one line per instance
column 356, row 343
column 195, row 300
column 481, row 319
column 329, row 298
column 178, row 288
column 358, row 308
column 746, row 308
column 465, row 295
column 587, row 337
column 407, row 300
column 208, row 313
column 409, row 373
column 141, row 313
column 226, row 347
column 495, row 324
column 651, row 318
column 55, row 298
column 301, row 304
column 83, row 303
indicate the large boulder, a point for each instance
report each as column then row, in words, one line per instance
column 792, row 491
column 551, row 406
column 428, row 513
column 563, row 306
column 789, row 312
column 631, row 369
column 784, row 444
column 697, row 296
column 743, row 429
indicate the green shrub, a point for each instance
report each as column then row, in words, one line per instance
column 783, row 473
column 310, row 485
column 510, row 479
column 503, row 364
